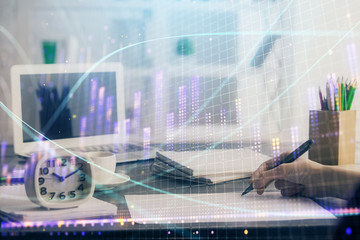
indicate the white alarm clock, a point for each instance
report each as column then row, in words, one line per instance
column 58, row 182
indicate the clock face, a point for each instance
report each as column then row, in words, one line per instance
column 63, row 179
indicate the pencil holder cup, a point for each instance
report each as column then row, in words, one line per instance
column 333, row 133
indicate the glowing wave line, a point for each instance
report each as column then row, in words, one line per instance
column 18, row 120
column 287, row 89
column 219, row 88
column 18, row 47
column 275, row 99
column 82, row 78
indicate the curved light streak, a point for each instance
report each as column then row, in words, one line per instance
column 83, row 77
column 16, row 44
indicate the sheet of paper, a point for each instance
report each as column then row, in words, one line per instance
column 222, row 207
column 13, row 200
column 219, row 178
column 210, row 163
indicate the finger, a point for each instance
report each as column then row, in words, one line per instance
column 271, row 163
column 291, row 191
column 260, row 191
column 288, row 188
column 281, row 184
column 265, row 178
column 267, row 165
column 258, row 171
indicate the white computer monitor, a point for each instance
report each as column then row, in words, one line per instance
column 74, row 105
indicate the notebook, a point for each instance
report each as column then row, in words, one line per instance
column 208, row 166
column 222, row 207
column 77, row 106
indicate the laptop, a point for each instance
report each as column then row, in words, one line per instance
column 79, row 107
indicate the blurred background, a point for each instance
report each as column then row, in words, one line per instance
column 240, row 71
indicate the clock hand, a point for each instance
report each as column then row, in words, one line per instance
column 61, row 179
column 72, row 173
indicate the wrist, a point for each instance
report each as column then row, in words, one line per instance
column 340, row 181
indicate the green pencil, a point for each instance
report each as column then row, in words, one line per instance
column 350, row 97
column 343, row 101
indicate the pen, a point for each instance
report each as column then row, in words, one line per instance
column 325, row 104
column 347, row 86
column 328, row 96
column 288, row 159
column 332, row 94
column 321, row 99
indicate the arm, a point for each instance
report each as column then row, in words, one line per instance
column 306, row 178
column 344, row 181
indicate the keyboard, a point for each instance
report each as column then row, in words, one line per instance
column 124, row 152
column 110, row 148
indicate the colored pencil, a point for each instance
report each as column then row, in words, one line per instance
column 340, row 95
column 343, row 96
column 336, row 96
column 351, row 95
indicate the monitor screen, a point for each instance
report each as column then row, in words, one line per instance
column 91, row 109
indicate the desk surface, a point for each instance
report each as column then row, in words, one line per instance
column 140, row 172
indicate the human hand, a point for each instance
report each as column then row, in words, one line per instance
column 303, row 177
